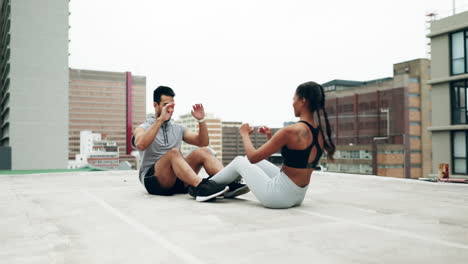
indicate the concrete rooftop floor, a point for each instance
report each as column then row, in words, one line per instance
column 107, row 217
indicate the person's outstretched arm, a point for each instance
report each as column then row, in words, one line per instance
column 144, row 138
column 201, row 138
column 278, row 140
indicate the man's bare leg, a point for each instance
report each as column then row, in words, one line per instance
column 172, row 166
column 202, row 157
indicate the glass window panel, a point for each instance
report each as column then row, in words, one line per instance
column 460, row 166
column 455, row 97
column 466, row 97
column 462, row 98
column 462, row 119
column 457, row 45
column 454, row 106
column 458, row 66
column 466, row 50
column 459, row 144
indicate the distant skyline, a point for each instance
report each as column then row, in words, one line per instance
column 243, row 59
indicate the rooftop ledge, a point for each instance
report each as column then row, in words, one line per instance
column 447, row 128
column 108, row 217
column 448, row 79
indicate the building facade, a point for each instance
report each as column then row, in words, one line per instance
column 214, row 132
column 34, row 83
column 108, row 103
column 96, row 152
column 233, row 146
column 449, row 67
column 380, row 126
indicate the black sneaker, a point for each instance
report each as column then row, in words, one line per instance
column 207, row 189
column 191, row 191
column 236, row 189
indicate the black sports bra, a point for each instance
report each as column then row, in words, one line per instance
column 295, row 158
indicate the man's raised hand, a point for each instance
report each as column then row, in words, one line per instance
column 166, row 112
column 198, row 111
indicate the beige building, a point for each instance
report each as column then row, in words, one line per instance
column 108, row 103
column 380, row 126
column 449, row 67
column 214, row 131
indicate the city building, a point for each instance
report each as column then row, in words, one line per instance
column 95, row 152
column 449, row 80
column 233, row 146
column 231, row 141
column 214, row 133
column 110, row 103
column 34, row 84
column 380, row 126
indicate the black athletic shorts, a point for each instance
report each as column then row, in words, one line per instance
column 153, row 187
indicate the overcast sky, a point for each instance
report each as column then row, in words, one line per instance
column 243, row 59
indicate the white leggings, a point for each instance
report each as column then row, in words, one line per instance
column 268, row 183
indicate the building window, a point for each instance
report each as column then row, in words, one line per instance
column 459, row 102
column 459, row 161
column 458, row 50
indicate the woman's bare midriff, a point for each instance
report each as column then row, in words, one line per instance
column 301, row 177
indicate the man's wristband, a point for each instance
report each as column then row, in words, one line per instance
column 201, row 120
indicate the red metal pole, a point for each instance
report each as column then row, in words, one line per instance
column 337, row 129
column 378, row 115
column 356, row 117
column 129, row 84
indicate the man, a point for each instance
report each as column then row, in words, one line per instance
column 163, row 170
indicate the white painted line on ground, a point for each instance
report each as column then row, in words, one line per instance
column 388, row 230
column 48, row 192
column 158, row 238
column 384, row 229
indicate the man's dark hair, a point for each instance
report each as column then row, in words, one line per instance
column 162, row 90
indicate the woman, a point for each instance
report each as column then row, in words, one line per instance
column 301, row 145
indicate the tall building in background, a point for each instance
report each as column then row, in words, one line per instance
column 214, row 132
column 380, row 126
column 108, row 103
column 34, row 83
column 449, row 80
column 233, row 146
